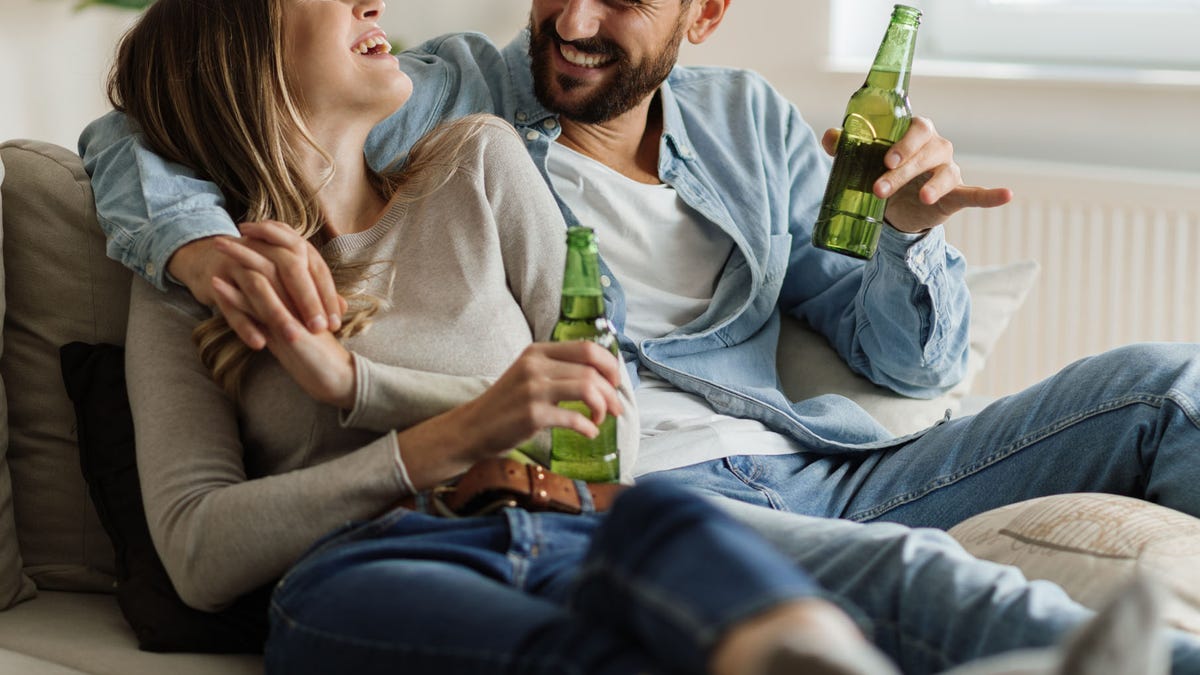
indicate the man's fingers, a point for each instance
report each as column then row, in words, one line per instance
column 970, row 196
column 829, row 140
column 933, row 157
column 940, row 183
column 272, row 232
column 919, row 134
column 244, row 255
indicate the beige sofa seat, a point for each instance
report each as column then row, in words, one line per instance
column 69, row 632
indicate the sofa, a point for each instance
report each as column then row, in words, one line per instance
column 64, row 584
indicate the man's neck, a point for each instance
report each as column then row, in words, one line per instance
column 628, row 144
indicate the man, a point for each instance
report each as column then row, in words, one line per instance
column 704, row 184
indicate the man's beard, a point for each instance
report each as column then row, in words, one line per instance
column 628, row 86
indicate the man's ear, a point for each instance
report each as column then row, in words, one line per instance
column 708, row 15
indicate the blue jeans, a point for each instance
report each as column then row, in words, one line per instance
column 921, row 598
column 649, row 588
column 1125, row 422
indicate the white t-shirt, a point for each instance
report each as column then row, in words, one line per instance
column 668, row 259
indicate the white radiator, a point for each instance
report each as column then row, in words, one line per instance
column 1120, row 258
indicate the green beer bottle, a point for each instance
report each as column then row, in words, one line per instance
column 582, row 318
column 878, row 114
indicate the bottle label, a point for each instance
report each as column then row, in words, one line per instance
column 859, row 127
column 859, row 163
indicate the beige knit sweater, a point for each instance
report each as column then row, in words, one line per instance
column 235, row 494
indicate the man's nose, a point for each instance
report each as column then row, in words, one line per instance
column 579, row 20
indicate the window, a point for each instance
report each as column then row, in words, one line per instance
column 1155, row 35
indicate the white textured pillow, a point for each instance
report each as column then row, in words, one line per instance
column 809, row 367
column 1092, row 544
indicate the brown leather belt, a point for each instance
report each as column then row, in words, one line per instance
column 494, row 484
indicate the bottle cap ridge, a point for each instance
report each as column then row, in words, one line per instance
column 907, row 14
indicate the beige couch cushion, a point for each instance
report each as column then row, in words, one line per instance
column 809, row 367
column 14, row 586
column 60, row 288
column 86, row 632
column 1092, row 544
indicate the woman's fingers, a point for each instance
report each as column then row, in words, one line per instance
column 302, row 271
column 562, row 418
column 234, row 308
column 582, row 352
column 264, row 304
column 547, row 374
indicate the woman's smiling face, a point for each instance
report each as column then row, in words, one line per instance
column 338, row 60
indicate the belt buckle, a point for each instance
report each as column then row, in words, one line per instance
column 436, row 498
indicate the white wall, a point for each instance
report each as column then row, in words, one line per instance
column 56, row 60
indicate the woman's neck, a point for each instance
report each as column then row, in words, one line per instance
column 350, row 201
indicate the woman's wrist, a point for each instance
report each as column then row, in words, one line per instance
column 344, row 393
column 437, row 449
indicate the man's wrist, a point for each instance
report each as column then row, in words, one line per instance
column 188, row 267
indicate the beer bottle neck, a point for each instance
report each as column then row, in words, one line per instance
column 893, row 62
column 582, row 295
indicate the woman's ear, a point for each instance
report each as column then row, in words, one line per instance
column 707, row 15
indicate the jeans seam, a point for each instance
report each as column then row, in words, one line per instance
column 1154, row 400
column 749, row 480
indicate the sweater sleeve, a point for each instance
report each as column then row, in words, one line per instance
column 220, row 533
column 390, row 397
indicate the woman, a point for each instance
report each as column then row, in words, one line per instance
column 247, row 459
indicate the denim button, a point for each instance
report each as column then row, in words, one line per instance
column 150, row 269
column 531, row 135
column 521, row 117
column 605, row 281
column 550, row 124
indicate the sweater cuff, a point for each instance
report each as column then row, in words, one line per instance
column 401, row 470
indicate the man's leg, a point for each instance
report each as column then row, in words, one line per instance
column 920, row 598
column 1125, row 422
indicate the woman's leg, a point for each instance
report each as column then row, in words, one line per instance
column 417, row 594
column 692, row 586
column 921, row 598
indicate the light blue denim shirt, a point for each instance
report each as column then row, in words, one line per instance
column 734, row 150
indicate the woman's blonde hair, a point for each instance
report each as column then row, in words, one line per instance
column 206, row 83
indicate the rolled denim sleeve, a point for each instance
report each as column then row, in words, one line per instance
column 148, row 207
column 912, row 315
column 899, row 319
